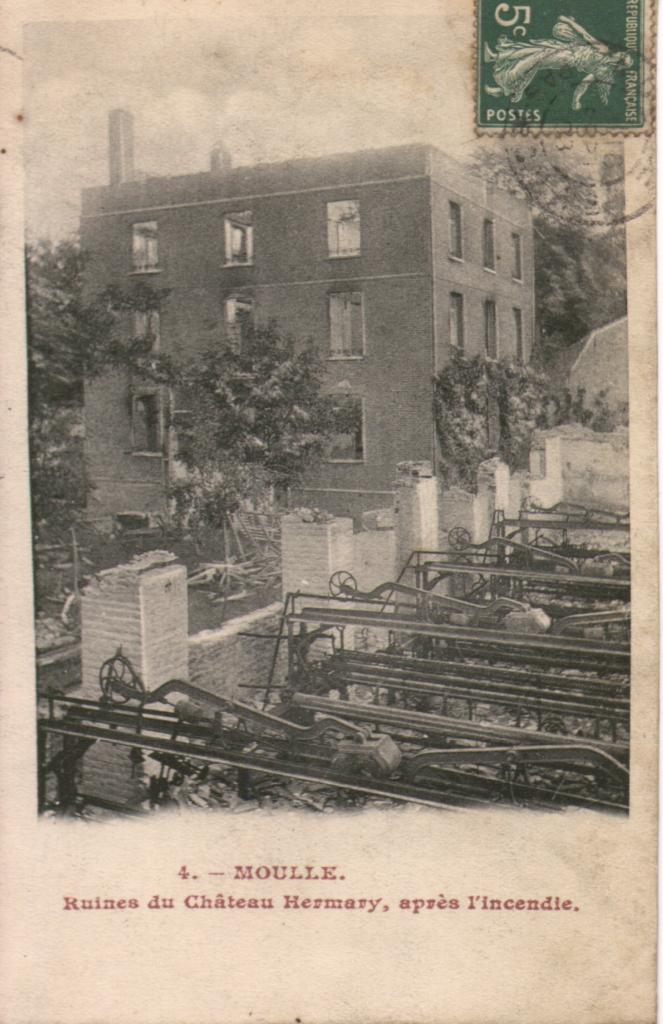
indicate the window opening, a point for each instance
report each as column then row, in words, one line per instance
column 455, row 231
column 145, row 423
column 343, row 228
column 489, row 245
column 238, row 231
column 346, row 324
column 145, row 246
column 490, row 328
column 347, row 444
column 456, row 325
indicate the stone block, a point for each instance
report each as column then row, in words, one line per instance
column 312, row 552
column 140, row 608
column 417, row 515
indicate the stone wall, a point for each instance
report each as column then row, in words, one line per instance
column 222, row 660
column 497, row 489
column 595, row 469
column 574, row 464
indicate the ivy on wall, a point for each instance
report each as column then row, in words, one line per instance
column 485, row 407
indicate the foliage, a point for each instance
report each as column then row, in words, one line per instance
column 577, row 198
column 66, row 334
column 601, row 416
column 71, row 337
column 256, row 418
column 465, row 393
column 471, row 390
column 580, row 282
column 57, row 469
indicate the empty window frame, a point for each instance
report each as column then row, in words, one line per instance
column 518, row 333
column 489, row 244
column 238, row 237
column 343, row 228
column 347, row 444
column 517, row 269
column 346, row 325
column 146, row 423
column 455, row 231
column 145, row 246
column 456, row 321
column 238, row 315
column 490, row 328
column 147, row 326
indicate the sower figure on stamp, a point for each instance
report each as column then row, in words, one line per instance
column 517, row 64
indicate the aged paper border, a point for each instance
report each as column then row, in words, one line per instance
column 593, row 966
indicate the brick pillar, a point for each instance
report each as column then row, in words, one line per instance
column 546, row 469
column 312, row 552
column 416, row 502
column 458, row 508
column 518, row 493
column 492, row 493
column 142, row 608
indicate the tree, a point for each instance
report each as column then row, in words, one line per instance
column 580, row 282
column 577, row 198
column 71, row 337
column 256, row 418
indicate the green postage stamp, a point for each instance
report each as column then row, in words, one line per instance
column 556, row 64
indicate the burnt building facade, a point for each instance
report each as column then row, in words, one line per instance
column 387, row 259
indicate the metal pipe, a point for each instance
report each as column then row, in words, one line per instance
column 441, row 724
column 537, row 644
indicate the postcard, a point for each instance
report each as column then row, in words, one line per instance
column 329, row 660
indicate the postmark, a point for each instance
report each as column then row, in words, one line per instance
column 574, row 65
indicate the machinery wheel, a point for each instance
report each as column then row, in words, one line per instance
column 119, row 681
column 459, row 538
column 342, row 584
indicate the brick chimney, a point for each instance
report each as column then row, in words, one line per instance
column 220, row 160
column 120, row 146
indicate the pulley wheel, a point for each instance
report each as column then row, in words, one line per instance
column 119, row 681
column 342, row 584
column 459, row 538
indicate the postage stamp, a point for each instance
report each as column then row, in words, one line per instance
column 551, row 65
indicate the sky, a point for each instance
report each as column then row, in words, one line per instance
column 270, row 89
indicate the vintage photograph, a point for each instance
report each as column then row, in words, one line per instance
column 328, row 411
column 329, row 658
